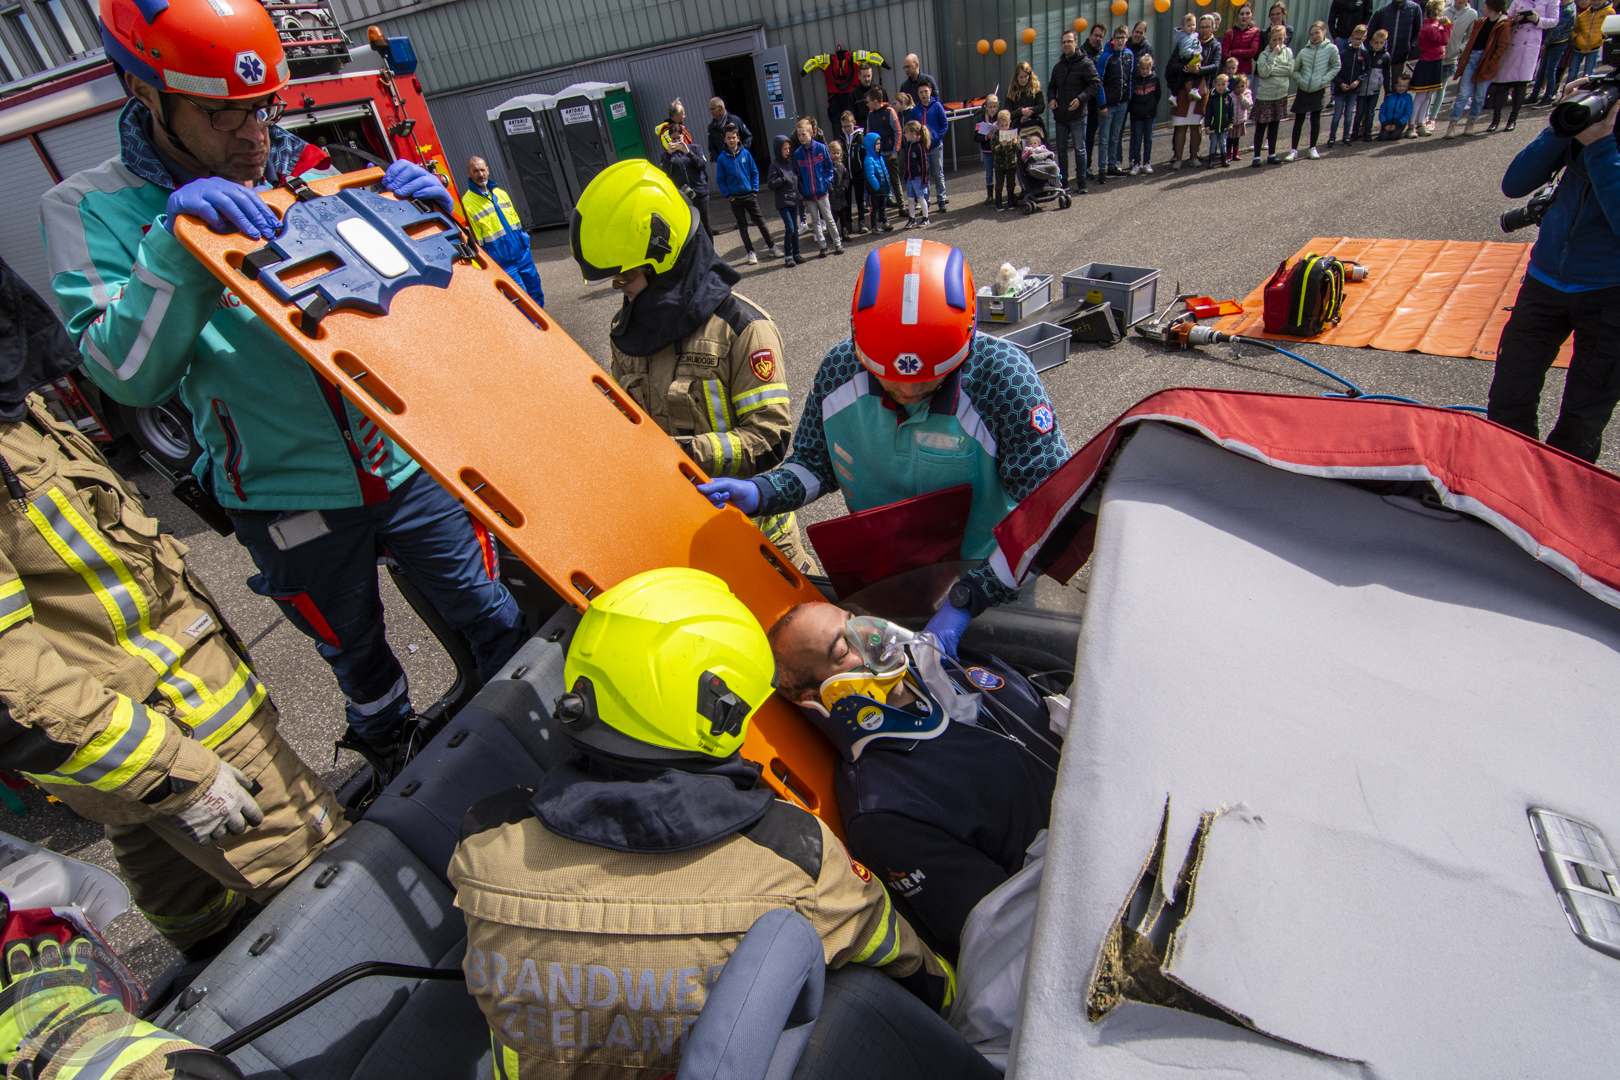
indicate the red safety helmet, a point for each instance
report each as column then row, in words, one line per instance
column 226, row 49
column 913, row 315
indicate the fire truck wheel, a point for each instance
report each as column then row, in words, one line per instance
column 163, row 431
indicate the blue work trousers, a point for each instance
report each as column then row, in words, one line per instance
column 518, row 260
column 327, row 587
column 1071, row 131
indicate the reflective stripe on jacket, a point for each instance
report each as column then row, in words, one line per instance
column 110, row 661
column 494, row 222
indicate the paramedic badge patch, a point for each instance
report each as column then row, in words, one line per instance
column 764, row 364
column 908, row 363
column 985, row 680
column 1041, row 418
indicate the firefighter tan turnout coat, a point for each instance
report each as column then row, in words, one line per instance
column 117, row 673
column 590, row 962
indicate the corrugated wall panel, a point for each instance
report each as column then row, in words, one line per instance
column 465, row 131
column 24, row 179
column 83, row 144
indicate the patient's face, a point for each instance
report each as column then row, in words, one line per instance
column 814, row 646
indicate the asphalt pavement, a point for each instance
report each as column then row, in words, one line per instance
column 1218, row 232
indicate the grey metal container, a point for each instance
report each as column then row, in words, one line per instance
column 1132, row 290
column 1036, row 294
column 1046, row 343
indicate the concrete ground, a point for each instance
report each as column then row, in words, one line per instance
column 1217, row 233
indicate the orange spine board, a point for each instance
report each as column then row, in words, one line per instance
column 517, row 422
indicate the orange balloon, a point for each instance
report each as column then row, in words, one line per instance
column 1080, row 26
column 1120, row 7
column 984, row 46
column 1028, row 35
column 1000, row 46
column 1161, row 6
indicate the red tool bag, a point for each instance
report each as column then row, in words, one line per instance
column 1276, row 307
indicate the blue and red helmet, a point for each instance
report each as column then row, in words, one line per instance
column 913, row 315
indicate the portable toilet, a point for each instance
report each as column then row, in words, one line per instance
column 591, row 122
column 535, row 165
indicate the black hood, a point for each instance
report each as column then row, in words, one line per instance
column 650, row 809
column 678, row 301
column 34, row 346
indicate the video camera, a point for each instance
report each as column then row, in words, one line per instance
column 1598, row 96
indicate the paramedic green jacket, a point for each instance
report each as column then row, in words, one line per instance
column 150, row 320
column 989, row 425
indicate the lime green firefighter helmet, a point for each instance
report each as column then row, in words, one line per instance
column 665, row 665
column 631, row 216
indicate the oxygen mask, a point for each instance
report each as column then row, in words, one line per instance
column 881, row 646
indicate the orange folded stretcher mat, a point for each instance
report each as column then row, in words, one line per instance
column 519, row 424
column 1441, row 297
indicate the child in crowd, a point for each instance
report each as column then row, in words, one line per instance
column 1229, row 68
column 839, row 196
column 1378, row 77
column 1396, row 112
column 784, row 182
column 1586, row 37
column 1218, row 119
column 877, row 183
column 984, row 133
column 854, row 140
column 1145, row 91
column 1314, row 68
column 1037, row 153
column 1274, row 70
column 882, row 119
column 1242, row 102
column 1006, row 155
column 1347, row 85
column 738, row 178
column 1184, row 44
column 1427, row 79
column 914, row 171
column 815, row 185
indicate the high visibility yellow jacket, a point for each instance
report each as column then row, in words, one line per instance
column 115, row 669
column 593, row 964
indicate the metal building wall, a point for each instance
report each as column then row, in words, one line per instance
column 655, row 77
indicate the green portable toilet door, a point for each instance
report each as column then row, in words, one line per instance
column 623, row 126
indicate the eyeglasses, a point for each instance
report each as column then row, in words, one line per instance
column 230, row 119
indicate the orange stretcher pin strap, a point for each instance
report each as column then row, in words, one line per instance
column 503, row 408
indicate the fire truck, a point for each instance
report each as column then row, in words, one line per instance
column 362, row 103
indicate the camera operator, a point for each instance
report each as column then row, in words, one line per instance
column 1573, row 286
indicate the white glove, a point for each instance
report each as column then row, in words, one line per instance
column 226, row 807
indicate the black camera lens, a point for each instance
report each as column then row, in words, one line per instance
column 1577, row 114
column 1515, row 219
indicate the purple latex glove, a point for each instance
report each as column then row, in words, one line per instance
column 743, row 494
column 224, row 206
column 409, row 180
column 948, row 625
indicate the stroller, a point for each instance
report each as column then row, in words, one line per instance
column 1039, row 176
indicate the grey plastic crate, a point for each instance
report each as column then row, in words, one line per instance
column 1046, row 343
column 1036, row 294
column 1132, row 290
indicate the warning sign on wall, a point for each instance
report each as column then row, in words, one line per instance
column 577, row 114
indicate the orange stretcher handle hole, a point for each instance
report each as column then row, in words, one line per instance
column 615, row 395
column 492, row 497
column 779, row 564
column 804, row 793
column 692, row 475
column 523, row 302
column 367, row 380
column 587, row 588
column 424, row 228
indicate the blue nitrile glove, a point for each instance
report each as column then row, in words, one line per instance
column 743, row 494
column 224, row 206
column 948, row 625
column 409, row 180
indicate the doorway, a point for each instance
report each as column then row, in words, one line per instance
column 734, row 83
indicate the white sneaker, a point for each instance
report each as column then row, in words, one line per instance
column 1312, row 154
column 1293, row 155
column 776, row 251
column 1148, row 169
column 752, row 259
column 1136, row 170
